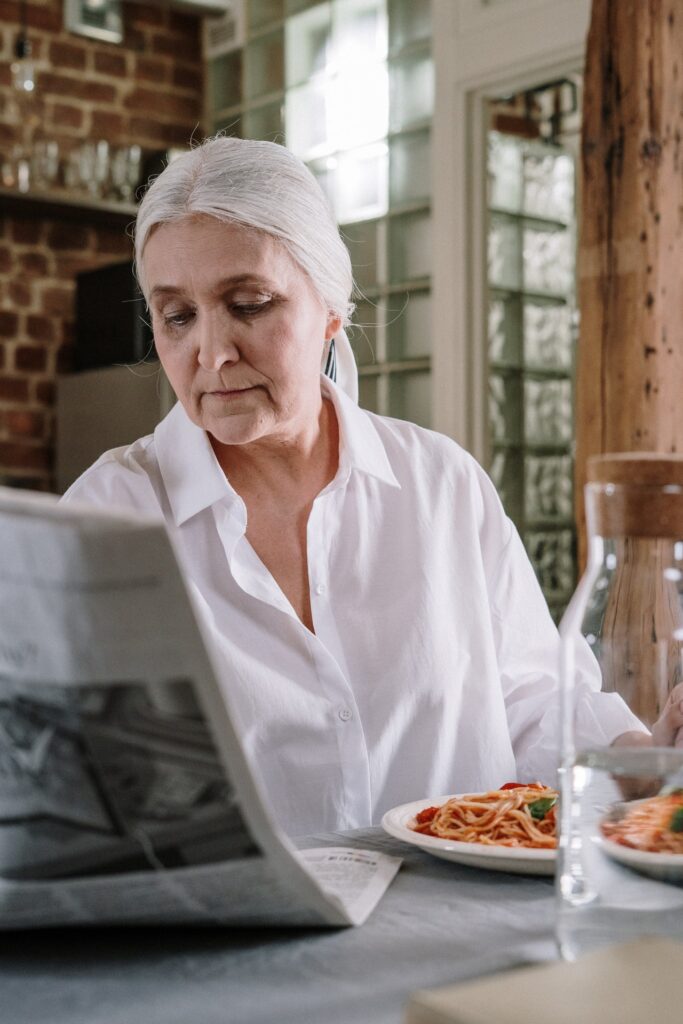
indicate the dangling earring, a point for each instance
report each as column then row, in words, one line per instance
column 330, row 368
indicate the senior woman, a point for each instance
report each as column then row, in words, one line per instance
column 380, row 632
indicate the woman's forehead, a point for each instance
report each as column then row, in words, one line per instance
column 216, row 248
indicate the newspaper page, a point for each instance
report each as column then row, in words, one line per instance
column 125, row 796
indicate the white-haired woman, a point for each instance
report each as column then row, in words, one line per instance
column 381, row 632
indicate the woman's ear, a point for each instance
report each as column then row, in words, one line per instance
column 333, row 326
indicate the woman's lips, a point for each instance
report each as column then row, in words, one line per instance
column 228, row 392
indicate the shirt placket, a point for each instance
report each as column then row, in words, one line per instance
column 330, row 667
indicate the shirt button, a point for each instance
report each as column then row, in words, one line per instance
column 321, row 588
column 345, row 714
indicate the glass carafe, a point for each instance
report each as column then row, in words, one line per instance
column 620, row 869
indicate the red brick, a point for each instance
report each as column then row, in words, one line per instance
column 165, row 104
column 22, row 423
column 167, row 46
column 187, row 25
column 144, row 14
column 105, row 124
column 21, row 293
column 45, row 392
column 67, row 116
column 65, row 235
column 30, row 357
column 58, row 301
column 108, row 63
column 34, row 263
column 67, row 55
column 135, row 40
column 63, row 85
column 146, row 128
column 40, row 328
column 152, row 69
column 13, row 389
column 45, row 16
column 16, row 455
column 115, row 241
column 5, row 260
column 187, row 78
column 161, row 134
column 65, row 359
column 9, row 324
column 7, row 135
column 27, row 231
column 70, row 264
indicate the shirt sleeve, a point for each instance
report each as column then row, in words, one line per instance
column 528, row 650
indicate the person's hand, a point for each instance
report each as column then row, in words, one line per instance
column 668, row 729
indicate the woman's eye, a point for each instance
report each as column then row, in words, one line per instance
column 177, row 319
column 251, row 308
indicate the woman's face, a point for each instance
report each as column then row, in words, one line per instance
column 238, row 328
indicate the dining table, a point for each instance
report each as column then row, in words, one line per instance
column 438, row 923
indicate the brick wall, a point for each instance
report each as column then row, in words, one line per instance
column 147, row 90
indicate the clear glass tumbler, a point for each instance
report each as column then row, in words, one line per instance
column 620, row 870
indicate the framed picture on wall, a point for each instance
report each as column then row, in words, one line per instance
column 99, row 19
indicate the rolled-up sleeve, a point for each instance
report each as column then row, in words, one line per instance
column 528, row 651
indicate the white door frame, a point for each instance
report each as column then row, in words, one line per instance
column 482, row 49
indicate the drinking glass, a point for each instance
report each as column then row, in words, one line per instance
column 620, row 869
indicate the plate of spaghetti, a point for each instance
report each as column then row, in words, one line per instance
column 647, row 835
column 513, row 828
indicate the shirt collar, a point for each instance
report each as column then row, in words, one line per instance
column 194, row 479
column 360, row 446
column 189, row 468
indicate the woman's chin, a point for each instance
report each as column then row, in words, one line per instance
column 235, row 430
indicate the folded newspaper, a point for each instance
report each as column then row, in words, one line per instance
column 125, row 796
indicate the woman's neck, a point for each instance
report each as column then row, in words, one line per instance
column 296, row 469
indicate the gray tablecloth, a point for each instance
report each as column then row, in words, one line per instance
column 437, row 923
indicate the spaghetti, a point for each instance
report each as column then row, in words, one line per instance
column 653, row 826
column 515, row 815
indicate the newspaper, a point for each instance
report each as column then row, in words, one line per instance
column 125, row 796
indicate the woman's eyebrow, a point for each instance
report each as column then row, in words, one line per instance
column 226, row 282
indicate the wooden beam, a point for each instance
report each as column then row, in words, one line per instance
column 630, row 259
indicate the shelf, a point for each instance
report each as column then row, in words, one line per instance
column 530, row 372
column 544, row 298
column 534, row 219
column 63, row 205
column 419, row 364
column 533, row 447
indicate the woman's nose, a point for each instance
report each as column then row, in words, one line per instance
column 216, row 345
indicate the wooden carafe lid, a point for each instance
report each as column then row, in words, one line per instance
column 645, row 499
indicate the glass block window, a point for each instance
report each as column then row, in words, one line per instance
column 531, row 335
column 348, row 85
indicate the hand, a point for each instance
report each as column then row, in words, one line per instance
column 668, row 729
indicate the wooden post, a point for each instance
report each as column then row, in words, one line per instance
column 630, row 361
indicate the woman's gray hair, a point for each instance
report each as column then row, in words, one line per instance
column 260, row 185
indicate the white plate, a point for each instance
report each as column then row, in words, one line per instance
column 493, row 858
column 665, row 867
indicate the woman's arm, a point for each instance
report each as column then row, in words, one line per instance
column 667, row 730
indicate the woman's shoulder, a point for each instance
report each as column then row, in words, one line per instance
column 126, row 477
column 416, row 446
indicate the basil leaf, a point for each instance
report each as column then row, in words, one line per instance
column 676, row 823
column 539, row 808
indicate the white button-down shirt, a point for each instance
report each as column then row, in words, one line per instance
column 433, row 665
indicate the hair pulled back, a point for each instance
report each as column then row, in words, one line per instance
column 260, row 185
